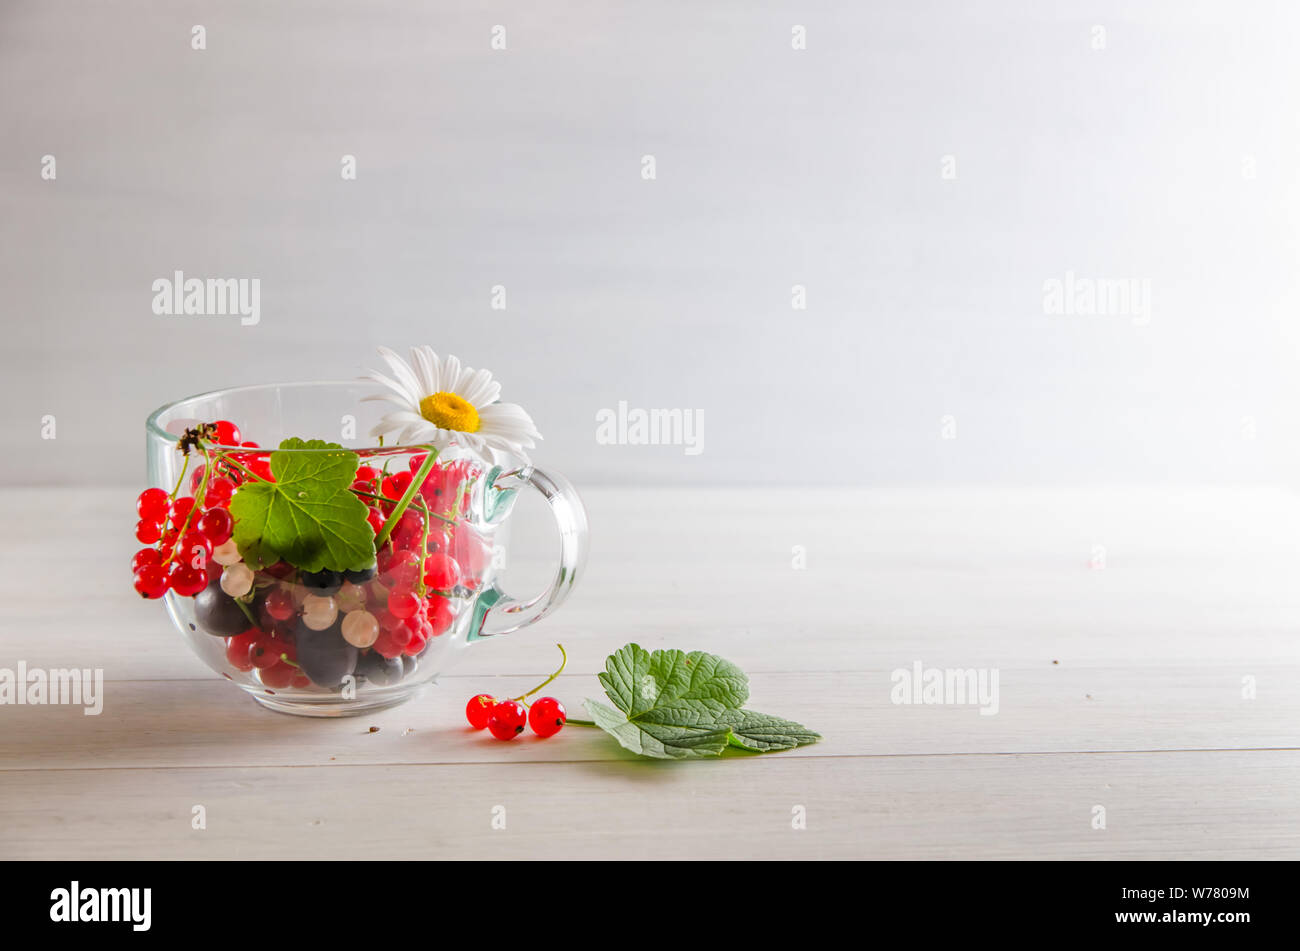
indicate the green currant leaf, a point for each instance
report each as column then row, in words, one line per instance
column 673, row 705
column 308, row 516
column 646, row 685
column 760, row 733
column 660, row 740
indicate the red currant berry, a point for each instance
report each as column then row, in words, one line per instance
column 279, row 604
column 440, row 616
column 277, row 675
column 280, row 570
column 196, row 478
column 547, row 716
column 181, row 509
column 507, row 719
column 153, row 505
column 479, row 709
column 386, row 647
column 401, row 635
column 237, row 649
column 417, row 643
column 375, row 519
column 395, row 485
column 407, row 531
column 367, row 474
column 188, row 581
column 195, row 549
column 151, row 581
column 438, row 543
column 265, row 652
column 216, row 525
column 388, row 621
column 227, row 433
column 441, row 573
column 403, row 604
column 147, row 533
column 218, row 493
column 145, row 556
column 403, row 568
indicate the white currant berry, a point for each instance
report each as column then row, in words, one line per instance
column 226, row 553
column 350, row 597
column 319, row 612
column 360, row 628
column 237, row 579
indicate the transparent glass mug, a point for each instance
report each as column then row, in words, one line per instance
column 472, row 533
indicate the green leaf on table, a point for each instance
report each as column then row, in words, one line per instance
column 308, row 516
column 672, row 705
column 660, row 740
column 761, row 733
column 644, row 684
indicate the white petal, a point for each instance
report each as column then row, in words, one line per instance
column 409, row 434
column 480, row 389
column 509, row 420
column 412, row 399
column 504, row 452
column 423, row 370
column 435, row 369
column 421, row 432
column 449, row 375
column 470, row 441
column 390, row 422
column 398, row 401
column 402, row 372
column 463, row 380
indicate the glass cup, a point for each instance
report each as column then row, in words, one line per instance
column 284, row 641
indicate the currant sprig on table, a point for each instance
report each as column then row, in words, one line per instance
column 667, row 704
column 505, row 719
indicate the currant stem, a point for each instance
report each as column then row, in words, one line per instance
column 405, row 500
column 424, row 547
column 247, row 613
column 564, row 659
column 198, row 503
column 573, row 721
column 185, row 467
column 234, row 463
column 384, row 498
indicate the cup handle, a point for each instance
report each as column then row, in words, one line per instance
column 495, row 612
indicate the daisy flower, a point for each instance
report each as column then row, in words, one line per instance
column 439, row 402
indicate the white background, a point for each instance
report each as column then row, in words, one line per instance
column 775, row 167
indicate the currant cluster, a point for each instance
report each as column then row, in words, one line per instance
column 299, row 628
column 318, row 627
column 505, row 719
column 184, row 533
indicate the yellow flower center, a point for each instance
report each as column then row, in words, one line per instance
column 449, row 411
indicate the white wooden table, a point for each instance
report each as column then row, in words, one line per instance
column 1120, row 686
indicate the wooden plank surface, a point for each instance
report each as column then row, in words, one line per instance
column 1175, row 805
column 1125, row 626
